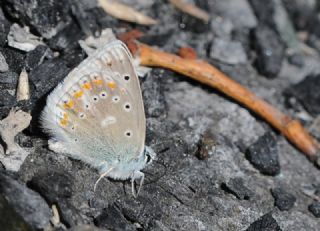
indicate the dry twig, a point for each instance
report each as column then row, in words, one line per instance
column 124, row 12
column 209, row 75
column 191, row 10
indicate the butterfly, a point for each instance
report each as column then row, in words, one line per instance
column 96, row 115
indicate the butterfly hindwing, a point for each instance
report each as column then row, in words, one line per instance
column 97, row 112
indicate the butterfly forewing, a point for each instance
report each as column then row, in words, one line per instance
column 99, row 109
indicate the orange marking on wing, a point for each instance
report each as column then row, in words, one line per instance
column 97, row 81
column 78, row 94
column 63, row 122
column 65, row 116
column 87, row 86
column 68, row 104
column 112, row 85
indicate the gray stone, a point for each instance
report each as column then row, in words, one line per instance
column 239, row 12
column 230, row 52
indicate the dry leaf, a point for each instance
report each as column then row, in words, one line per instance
column 10, row 126
column 124, row 12
column 23, row 91
column 191, row 9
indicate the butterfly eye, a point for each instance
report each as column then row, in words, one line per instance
column 126, row 77
column 148, row 158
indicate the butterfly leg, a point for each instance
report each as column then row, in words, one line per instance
column 100, row 178
column 135, row 176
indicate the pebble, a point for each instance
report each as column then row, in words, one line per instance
column 227, row 51
column 263, row 155
column 282, row 199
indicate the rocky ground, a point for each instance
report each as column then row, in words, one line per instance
column 219, row 166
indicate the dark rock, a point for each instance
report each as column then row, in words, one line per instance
column 56, row 187
column 314, row 208
column 46, row 17
column 307, row 93
column 102, row 18
column 112, row 218
column 23, row 140
column 72, row 58
column 314, row 30
column 270, row 51
column 263, row 155
column 143, row 210
column 14, row 58
column 302, row 13
column 53, row 185
column 190, row 23
column 282, row 199
column 85, row 18
column 274, row 15
column 206, row 145
column 3, row 64
column 6, row 99
column 70, row 215
column 314, row 42
column 27, row 203
column 296, row 59
column 46, row 76
column 237, row 187
column 152, row 89
column 23, row 105
column 35, row 57
column 8, row 80
column 67, row 39
column 9, row 219
column 264, row 223
column 4, row 29
column 263, row 11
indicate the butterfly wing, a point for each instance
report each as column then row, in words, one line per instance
column 97, row 111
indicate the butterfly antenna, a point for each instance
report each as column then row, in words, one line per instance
column 100, row 178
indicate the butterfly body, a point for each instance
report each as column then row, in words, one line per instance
column 96, row 114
